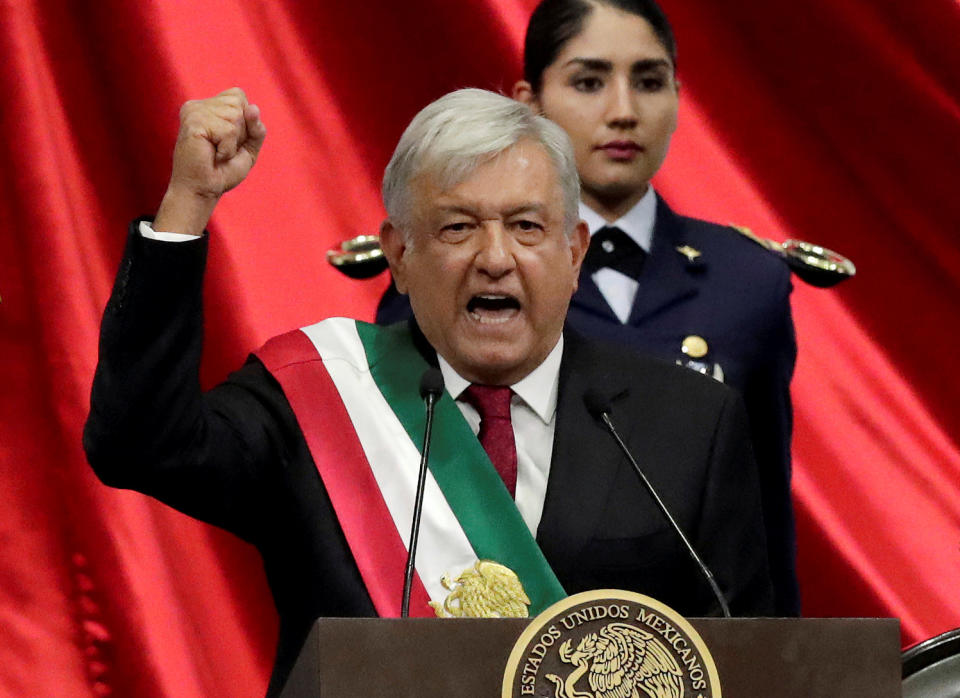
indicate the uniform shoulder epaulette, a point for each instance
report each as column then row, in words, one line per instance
column 360, row 257
column 816, row 265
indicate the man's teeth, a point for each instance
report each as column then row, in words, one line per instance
column 492, row 308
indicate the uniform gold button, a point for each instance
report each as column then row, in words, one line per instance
column 695, row 346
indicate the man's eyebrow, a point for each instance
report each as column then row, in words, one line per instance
column 515, row 209
column 454, row 208
column 525, row 207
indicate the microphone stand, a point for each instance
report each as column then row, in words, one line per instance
column 431, row 387
column 600, row 409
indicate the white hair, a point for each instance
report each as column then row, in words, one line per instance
column 451, row 137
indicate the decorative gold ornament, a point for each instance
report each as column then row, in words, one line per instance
column 694, row 346
column 486, row 590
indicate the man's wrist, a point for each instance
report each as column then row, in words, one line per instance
column 184, row 212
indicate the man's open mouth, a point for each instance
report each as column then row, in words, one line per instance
column 493, row 308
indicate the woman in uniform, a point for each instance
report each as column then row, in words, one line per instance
column 686, row 290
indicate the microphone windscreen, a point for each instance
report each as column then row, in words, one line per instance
column 431, row 383
column 597, row 403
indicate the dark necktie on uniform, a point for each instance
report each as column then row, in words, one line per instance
column 496, row 429
column 612, row 248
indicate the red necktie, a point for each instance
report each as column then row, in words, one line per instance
column 496, row 429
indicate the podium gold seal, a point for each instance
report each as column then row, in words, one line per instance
column 610, row 644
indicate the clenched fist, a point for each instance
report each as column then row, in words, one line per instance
column 218, row 143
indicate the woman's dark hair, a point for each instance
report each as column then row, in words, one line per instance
column 554, row 22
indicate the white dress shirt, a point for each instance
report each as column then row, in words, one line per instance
column 146, row 229
column 618, row 289
column 533, row 411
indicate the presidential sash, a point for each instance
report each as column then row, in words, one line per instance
column 354, row 388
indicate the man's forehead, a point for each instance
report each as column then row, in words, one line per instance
column 491, row 209
column 521, row 178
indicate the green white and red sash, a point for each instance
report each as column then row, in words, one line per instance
column 354, row 388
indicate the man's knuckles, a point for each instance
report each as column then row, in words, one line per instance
column 215, row 127
column 234, row 93
column 213, row 134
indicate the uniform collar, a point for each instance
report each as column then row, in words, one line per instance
column 637, row 222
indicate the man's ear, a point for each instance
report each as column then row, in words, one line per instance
column 579, row 242
column 394, row 246
column 523, row 92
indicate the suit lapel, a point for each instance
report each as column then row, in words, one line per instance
column 584, row 463
column 668, row 276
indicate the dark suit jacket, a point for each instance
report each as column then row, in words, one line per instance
column 736, row 295
column 235, row 457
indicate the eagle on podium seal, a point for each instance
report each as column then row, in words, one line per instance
column 610, row 644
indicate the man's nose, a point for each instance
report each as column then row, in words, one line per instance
column 495, row 256
column 623, row 110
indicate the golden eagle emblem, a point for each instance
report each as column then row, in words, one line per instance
column 621, row 661
column 486, row 590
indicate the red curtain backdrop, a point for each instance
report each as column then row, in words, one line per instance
column 833, row 122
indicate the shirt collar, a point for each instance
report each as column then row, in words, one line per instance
column 637, row 222
column 538, row 389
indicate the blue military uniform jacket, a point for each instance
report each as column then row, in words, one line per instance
column 708, row 281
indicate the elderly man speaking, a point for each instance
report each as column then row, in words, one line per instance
column 311, row 450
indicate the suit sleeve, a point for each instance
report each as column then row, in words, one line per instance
column 150, row 427
column 731, row 525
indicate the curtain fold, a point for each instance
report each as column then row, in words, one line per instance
column 837, row 123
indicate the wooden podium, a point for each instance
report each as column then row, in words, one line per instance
column 755, row 657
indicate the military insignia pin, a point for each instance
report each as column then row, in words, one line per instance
column 691, row 253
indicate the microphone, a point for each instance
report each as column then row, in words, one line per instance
column 599, row 407
column 431, row 388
